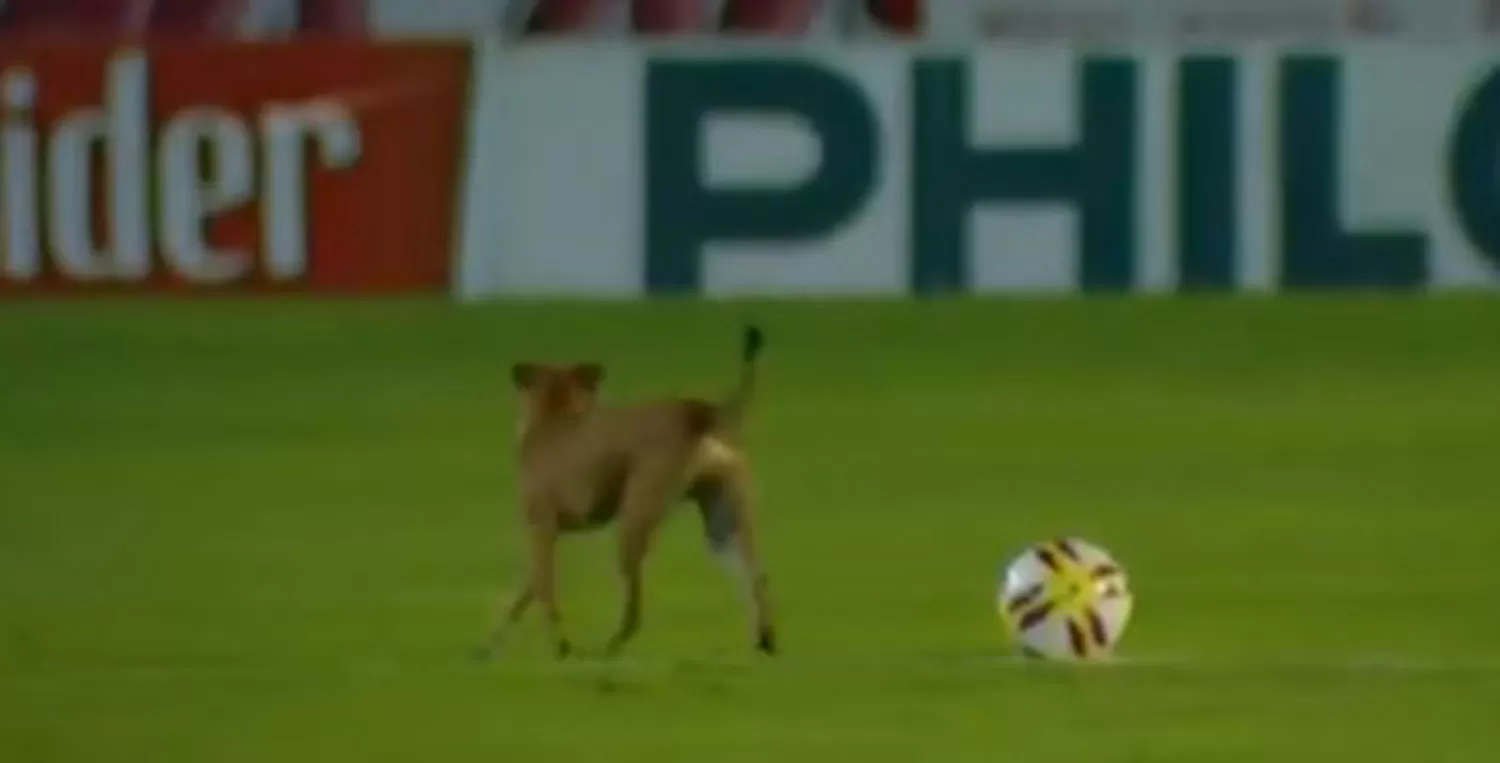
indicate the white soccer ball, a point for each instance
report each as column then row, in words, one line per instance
column 1065, row 599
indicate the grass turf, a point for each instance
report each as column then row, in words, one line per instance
column 260, row 531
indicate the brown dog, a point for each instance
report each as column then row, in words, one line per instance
column 584, row 465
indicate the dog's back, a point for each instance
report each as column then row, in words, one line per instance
column 582, row 464
column 592, row 443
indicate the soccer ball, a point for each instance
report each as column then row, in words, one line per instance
column 1065, row 599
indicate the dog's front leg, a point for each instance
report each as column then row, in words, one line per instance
column 543, row 582
column 634, row 538
column 641, row 510
column 508, row 621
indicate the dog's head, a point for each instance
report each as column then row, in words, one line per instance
column 551, row 391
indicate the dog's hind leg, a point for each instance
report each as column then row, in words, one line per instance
column 728, row 524
column 513, row 614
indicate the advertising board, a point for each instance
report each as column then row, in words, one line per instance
column 192, row 166
column 761, row 169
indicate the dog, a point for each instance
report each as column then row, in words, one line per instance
column 584, row 466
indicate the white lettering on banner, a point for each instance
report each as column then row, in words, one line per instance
column 287, row 128
column 203, row 165
column 21, row 256
column 122, row 129
column 186, row 207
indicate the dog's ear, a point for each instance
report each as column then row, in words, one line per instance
column 588, row 375
column 523, row 375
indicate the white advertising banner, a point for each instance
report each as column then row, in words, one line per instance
column 764, row 170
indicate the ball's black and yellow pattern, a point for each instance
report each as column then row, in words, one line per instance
column 1065, row 599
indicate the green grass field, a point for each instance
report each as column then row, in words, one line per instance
column 272, row 531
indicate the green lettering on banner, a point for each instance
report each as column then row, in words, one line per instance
column 1474, row 167
column 1207, row 172
column 950, row 176
column 1317, row 252
column 683, row 214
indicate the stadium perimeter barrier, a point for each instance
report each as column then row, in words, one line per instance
column 626, row 169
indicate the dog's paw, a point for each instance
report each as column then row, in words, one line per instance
column 766, row 643
column 612, row 649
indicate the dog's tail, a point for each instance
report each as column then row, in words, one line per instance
column 727, row 416
column 733, row 408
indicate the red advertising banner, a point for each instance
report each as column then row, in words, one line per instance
column 188, row 166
